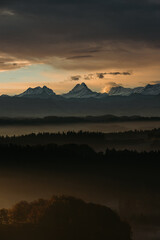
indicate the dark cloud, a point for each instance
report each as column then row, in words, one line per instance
column 11, row 63
column 104, row 31
column 102, row 75
column 89, row 76
column 119, row 73
column 156, row 82
column 126, row 73
column 79, row 57
column 75, row 78
column 87, row 50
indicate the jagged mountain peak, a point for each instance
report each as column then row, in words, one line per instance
column 80, row 87
column 147, row 90
column 119, row 90
column 151, row 89
column 81, row 91
column 42, row 92
column 83, row 84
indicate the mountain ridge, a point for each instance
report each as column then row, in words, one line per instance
column 147, row 90
column 135, row 104
column 81, row 91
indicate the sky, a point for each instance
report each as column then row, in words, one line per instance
column 60, row 43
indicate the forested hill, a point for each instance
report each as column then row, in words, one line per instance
column 148, row 140
column 61, row 218
column 51, row 155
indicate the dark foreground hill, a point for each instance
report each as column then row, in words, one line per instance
column 126, row 181
column 61, row 218
column 116, row 105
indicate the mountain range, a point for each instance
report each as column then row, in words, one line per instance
column 147, row 90
column 82, row 91
column 82, row 101
column 79, row 91
column 38, row 92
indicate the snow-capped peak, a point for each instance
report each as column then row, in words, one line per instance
column 151, row 89
column 120, row 91
column 37, row 92
column 81, row 87
column 147, row 90
column 80, row 91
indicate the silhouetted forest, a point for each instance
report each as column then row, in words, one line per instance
column 129, row 166
column 62, row 120
column 61, row 218
column 49, row 154
column 132, row 140
column 128, row 178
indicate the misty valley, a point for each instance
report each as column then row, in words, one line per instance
column 64, row 185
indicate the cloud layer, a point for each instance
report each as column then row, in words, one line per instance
column 81, row 34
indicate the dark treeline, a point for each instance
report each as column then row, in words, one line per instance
column 80, row 136
column 68, row 120
column 51, row 155
column 47, row 138
column 52, row 136
column 73, row 152
column 61, row 218
column 128, row 167
column 133, row 140
column 126, row 173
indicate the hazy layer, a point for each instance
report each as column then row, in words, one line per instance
column 95, row 127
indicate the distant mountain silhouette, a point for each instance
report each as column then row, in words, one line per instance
column 151, row 89
column 135, row 104
column 147, row 90
column 81, row 91
column 38, row 92
column 81, row 101
column 121, row 91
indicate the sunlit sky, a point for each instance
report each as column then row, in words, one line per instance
column 62, row 43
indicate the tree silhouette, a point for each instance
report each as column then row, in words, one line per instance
column 62, row 218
